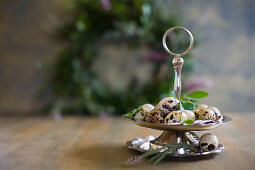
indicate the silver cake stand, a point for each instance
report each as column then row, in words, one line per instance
column 175, row 133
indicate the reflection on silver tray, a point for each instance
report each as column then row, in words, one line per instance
column 198, row 125
column 143, row 145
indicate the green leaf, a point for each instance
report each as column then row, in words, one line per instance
column 188, row 122
column 197, row 94
column 131, row 114
column 196, row 102
column 188, row 100
column 128, row 115
column 185, row 100
column 188, row 106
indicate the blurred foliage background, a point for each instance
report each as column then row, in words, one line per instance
column 57, row 46
column 74, row 84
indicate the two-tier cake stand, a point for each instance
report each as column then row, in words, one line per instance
column 176, row 133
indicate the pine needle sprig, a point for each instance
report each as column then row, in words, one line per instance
column 162, row 156
column 157, row 158
column 170, row 149
column 153, row 152
column 158, row 154
column 153, row 158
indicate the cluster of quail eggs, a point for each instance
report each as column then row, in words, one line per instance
column 167, row 112
column 205, row 112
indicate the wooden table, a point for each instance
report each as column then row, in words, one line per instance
column 93, row 143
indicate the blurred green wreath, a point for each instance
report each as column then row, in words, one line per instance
column 75, row 84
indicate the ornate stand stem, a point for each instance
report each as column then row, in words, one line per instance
column 173, row 137
column 177, row 62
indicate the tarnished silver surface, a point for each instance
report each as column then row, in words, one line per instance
column 171, row 30
column 198, row 125
column 143, row 144
column 175, row 133
column 177, row 61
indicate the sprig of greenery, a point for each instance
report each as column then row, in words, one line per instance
column 157, row 155
column 187, row 121
column 157, row 158
column 188, row 102
column 188, row 105
column 197, row 94
column 131, row 114
column 168, row 148
column 153, row 152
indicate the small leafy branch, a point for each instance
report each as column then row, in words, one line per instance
column 157, row 155
column 187, row 122
column 189, row 101
column 131, row 114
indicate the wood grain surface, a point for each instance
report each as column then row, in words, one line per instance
column 77, row 143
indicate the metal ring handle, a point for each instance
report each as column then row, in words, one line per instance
column 171, row 30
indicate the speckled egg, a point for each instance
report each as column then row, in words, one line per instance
column 173, row 117
column 206, row 114
column 141, row 114
column 196, row 112
column 216, row 111
column 183, row 116
column 190, row 114
column 198, row 108
column 202, row 106
column 155, row 116
column 147, row 107
column 168, row 104
column 208, row 142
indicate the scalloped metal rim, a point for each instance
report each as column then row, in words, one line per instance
column 218, row 150
column 179, row 127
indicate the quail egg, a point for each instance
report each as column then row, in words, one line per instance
column 155, row 116
column 174, row 117
column 202, row 106
column 184, row 116
column 168, row 104
column 196, row 112
column 216, row 111
column 141, row 114
column 147, row 107
column 190, row 114
column 208, row 142
column 206, row 114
